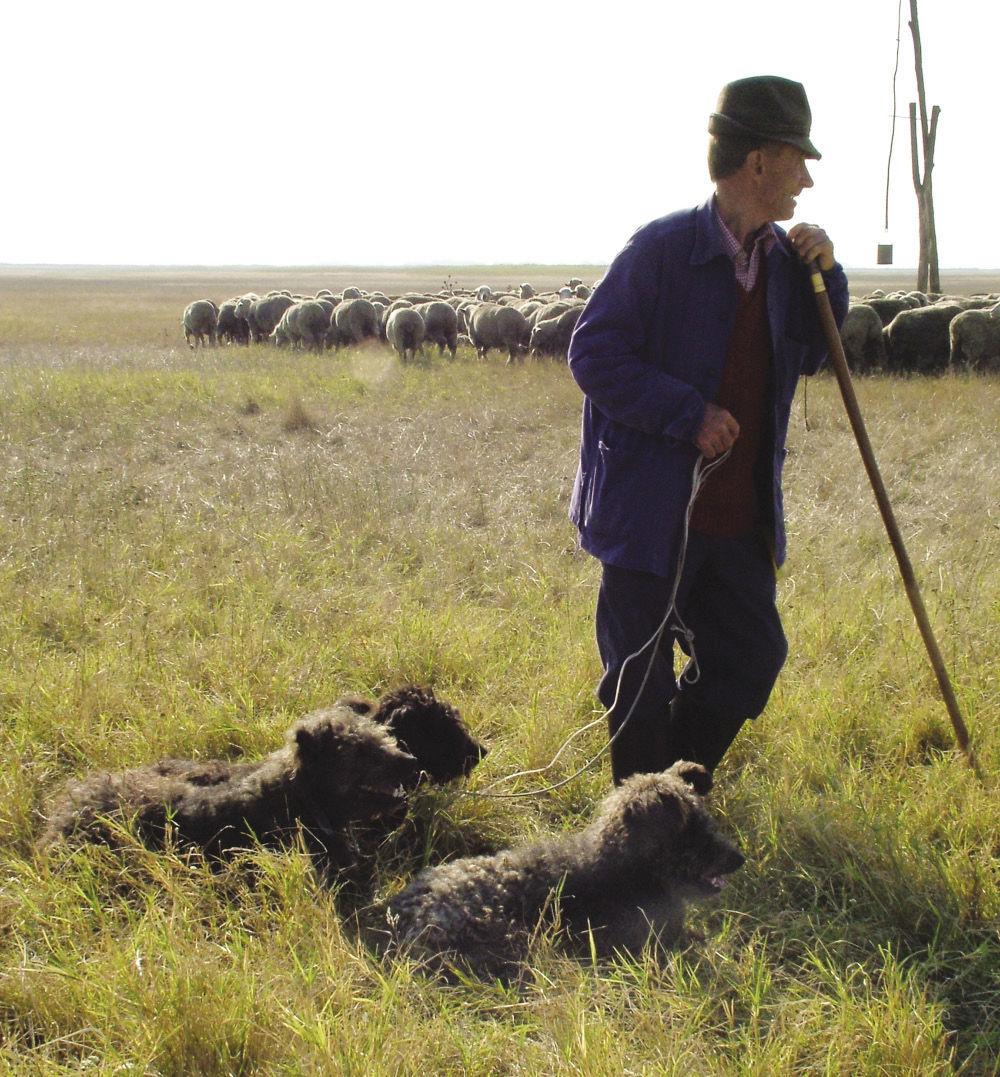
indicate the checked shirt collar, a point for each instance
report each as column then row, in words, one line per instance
column 747, row 266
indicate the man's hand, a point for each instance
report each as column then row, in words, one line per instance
column 717, row 432
column 812, row 244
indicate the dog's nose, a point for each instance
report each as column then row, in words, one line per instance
column 735, row 861
column 476, row 754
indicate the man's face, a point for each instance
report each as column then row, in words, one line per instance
column 781, row 176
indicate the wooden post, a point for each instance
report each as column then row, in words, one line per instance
column 928, row 274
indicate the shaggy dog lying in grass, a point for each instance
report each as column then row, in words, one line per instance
column 617, row 885
column 336, row 766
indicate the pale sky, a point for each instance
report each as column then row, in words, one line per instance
column 391, row 133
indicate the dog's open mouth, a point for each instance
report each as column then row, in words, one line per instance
column 386, row 795
column 711, row 884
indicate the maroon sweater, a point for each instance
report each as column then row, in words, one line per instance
column 729, row 504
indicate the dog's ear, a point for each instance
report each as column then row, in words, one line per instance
column 305, row 742
column 360, row 706
column 315, row 740
column 662, row 804
column 695, row 775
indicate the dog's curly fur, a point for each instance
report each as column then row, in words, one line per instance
column 617, row 885
column 335, row 766
column 428, row 728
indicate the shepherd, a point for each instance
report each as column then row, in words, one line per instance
column 692, row 345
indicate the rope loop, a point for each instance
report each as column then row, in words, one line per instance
column 671, row 620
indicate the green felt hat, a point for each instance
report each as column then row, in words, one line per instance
column 766, row 107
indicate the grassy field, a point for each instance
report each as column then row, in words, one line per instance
column 196, row 548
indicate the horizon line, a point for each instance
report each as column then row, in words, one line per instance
column 414, row 265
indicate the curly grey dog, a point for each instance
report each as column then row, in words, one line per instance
column 615, row 886
column 335, row 766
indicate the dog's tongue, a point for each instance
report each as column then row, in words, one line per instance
column 716, row 881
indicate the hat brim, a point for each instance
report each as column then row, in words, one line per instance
column 718, row 124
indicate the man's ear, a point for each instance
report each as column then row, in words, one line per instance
column 755, row 161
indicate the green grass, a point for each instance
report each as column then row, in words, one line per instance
column 199, row 547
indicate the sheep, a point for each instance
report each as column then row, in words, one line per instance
column 864, row 344
column 440, row 325
column 552, row 310
column 306, row 323
column 354, row 320
column 266, row 313
column 199, row 322
column 230, row 329
column 918, row 340
column 242, row 313
column 404, row 330
column 975, row 339
column 492, row 326
column 383, row 315
column 551, row 335
column 889, row 307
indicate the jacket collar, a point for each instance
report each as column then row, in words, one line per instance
column 708, row 243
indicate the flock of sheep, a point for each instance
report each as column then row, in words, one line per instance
column 903, row 332
column 517, row 321
column 910, row 332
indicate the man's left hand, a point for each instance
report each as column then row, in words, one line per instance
column 812, row 244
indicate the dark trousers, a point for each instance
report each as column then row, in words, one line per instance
column 727, row 599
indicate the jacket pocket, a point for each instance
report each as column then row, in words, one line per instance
column 610, row 507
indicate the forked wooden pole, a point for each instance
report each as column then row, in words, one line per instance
column 836, row 350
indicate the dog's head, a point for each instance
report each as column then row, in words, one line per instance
column 342, row 756
column 430, row 730
column 662, row 822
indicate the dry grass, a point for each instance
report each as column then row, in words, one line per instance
column 197, row 547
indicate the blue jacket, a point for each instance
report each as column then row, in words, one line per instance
column 648, row 353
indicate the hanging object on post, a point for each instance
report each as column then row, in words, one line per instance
column 883, row 253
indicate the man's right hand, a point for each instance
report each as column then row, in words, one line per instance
column 717, row 432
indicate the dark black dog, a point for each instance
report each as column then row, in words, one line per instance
column 430, row 730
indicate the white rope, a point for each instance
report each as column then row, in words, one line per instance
column 689, row 675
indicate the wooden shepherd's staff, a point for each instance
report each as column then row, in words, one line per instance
column 836, row 350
